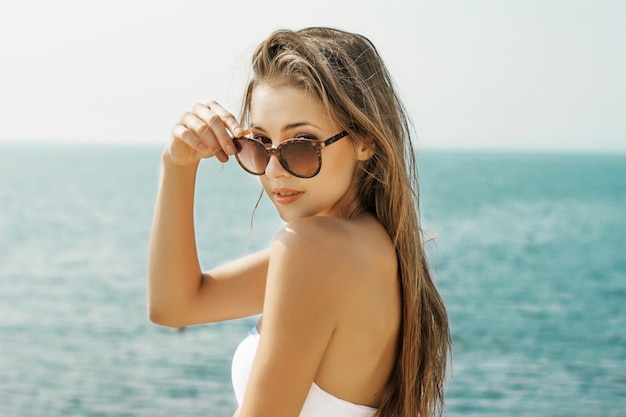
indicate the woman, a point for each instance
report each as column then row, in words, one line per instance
column 352, row 324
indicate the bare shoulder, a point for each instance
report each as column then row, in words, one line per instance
column 322, row 269
column 311, row 247
column 333, row 247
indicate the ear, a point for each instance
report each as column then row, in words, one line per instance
column 364, row 152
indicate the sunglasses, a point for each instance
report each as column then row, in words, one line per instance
column 302, row 158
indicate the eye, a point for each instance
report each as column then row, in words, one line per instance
column 263, row 139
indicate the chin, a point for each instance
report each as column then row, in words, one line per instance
column 291, row 214
column 288, row 216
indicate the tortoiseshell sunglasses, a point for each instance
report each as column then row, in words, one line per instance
column 302, row 158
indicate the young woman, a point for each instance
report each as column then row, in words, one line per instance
column 352, row 324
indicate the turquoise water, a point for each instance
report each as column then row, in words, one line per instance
column 529, row 251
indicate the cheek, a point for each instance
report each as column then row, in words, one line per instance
column 335, row 178
column 340, row 166
column 264, row 182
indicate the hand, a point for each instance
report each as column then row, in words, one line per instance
column 203, row 132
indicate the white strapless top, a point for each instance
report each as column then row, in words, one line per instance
column 318, row 403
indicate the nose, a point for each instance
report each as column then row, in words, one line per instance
column 274, row 168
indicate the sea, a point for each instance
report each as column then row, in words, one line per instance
column 528, row 251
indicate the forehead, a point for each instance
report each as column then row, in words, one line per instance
column 282, row 105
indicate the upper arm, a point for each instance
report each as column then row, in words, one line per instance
column 230, row 291
column 299, row 318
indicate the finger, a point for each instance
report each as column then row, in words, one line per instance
column 216, row 133
column 231, row 124
column 227, row 117
column 183, row 133
column 201, row 130
column 221, row 156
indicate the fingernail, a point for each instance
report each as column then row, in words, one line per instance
column 230, row 149
column 203, row 146
column 238, row 132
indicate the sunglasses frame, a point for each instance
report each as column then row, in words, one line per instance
column 316, row 144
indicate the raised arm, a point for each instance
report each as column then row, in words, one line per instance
column 178, row 292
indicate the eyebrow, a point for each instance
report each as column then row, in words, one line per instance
column 289, row 126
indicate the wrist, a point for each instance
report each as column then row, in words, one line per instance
column 169, row 162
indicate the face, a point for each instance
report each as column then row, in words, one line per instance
column 281, row 112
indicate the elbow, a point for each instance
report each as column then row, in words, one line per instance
column 160, row 310
column 162, row 318
column 157, row 317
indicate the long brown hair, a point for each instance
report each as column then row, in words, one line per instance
column 345, row 72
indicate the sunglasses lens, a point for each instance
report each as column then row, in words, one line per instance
column 300, row 158
column 251, row 155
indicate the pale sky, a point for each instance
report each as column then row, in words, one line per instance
column 474, row 74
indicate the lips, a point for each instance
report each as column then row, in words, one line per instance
column 286, row 195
